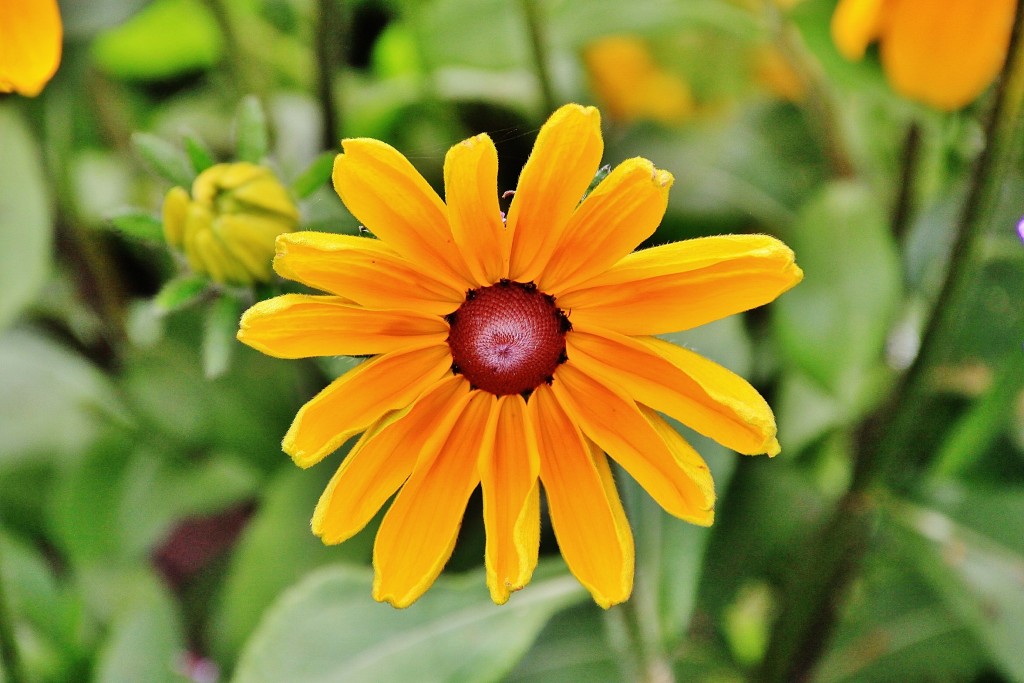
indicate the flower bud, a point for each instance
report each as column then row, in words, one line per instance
column 228, row 225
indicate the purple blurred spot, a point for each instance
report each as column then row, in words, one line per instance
column 1020, row 228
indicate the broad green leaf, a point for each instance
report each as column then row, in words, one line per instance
column 979, row 578
column 44, row 385
column 144, row 641
column 168, row 38
column 252, row 139
column 275, row 550
column 314, row 177
column 833, row 326
column 328, row 628
column 180, row 292
column 164, row 159
column 572, row 647
column 139, row 224
column 26, row 220
column 219, row 334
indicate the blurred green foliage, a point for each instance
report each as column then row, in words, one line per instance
column 150, row 528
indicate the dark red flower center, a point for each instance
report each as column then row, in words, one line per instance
column 508, row 338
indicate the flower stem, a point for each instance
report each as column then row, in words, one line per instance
column 331, row 35
column 10, row 661
column 539, row 51
column 819, row 581
column 820, row 108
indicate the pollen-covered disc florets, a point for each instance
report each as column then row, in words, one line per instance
column 508, row 338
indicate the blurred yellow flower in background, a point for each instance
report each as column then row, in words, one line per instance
column 30, row 44
column 228, row 225
column 513, row 354
column 941, row 53
column 631, row 85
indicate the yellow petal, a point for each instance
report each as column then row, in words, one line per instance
column 301, row 326
column 357, row 399
column 175, row 212
column 590, row 525
column 682, row 285
column 418, row 533
column 703, row 512
column 945, row 54
column 363, row 270
column 855, row 24
column 558, row 172
column 508, row 480
column 682, row 384
column 471, row 192
column 612, row 420
column 383, row 190
column 383, row 458
column 30, row 44
column 621, row 212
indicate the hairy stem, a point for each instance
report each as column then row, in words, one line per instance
column 539, row 51
column 331, row 37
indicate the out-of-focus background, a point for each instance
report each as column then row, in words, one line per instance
column 152, row 530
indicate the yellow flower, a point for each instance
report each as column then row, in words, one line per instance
column 626, row 79
column 941, row 53
column 508, row 353
column 30, row 44
column 228, row 225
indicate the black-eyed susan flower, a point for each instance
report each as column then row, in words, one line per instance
column 30, row 45
column 228, row 225
column 941, row 53
column 513, row 355
column 631, row 85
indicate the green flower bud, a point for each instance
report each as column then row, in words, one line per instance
column 228, row 225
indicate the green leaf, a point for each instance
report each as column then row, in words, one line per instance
column 979, row 579
column 164, row 159
column 275, row 550
column 180, row 292
column 198, row 153
column 145, row 638
column 26, row 220
column 124, row 497
column 42, row 382
column 139, row 224
column 571, row 647
column 314, row 177
column 168, row 38
column 219, row 334
column 252, row 140
column 328, row 629
column 833, row 326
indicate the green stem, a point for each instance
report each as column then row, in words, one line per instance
column 820, row 108
column 242, row 75
column 819, row 581
column 539, row 52
column 10, row 660
column 331, row 37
